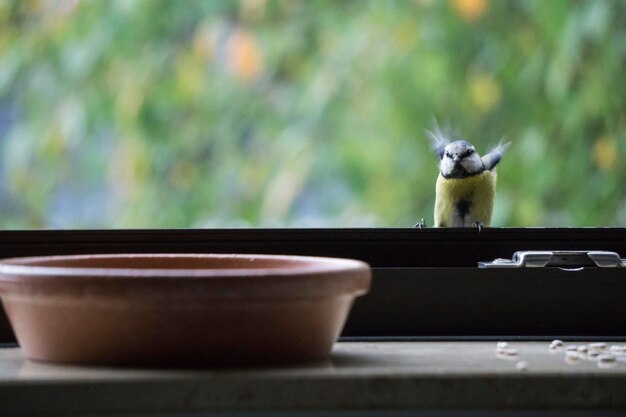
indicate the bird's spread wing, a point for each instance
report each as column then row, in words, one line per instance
column 492, row 158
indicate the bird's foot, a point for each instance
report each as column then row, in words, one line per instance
column 421, row 224
column 479, row 226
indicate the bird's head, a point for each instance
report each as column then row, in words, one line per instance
column 459, row 159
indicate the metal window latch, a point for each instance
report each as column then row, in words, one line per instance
column 558, row 258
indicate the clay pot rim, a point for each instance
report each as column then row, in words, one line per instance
column 294, row 265
column 298, row 277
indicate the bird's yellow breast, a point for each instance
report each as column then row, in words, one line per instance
column 477, row 191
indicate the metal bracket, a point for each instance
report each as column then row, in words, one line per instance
column 558, row 258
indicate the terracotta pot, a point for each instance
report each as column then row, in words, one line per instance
column 179, row 309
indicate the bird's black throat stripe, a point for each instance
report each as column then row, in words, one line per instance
column 463, row 206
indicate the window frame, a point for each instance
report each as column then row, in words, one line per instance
column 425, row 281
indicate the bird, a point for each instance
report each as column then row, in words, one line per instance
column 466, row 185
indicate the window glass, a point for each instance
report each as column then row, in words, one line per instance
column 261, row 113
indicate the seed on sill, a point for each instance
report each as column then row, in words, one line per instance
column 502, row 348
column 606, row 357
column 521, row 366
column 571, row 348
column 582, row 355
column 597, row 346
column 593, row 353
column 582, row 348
column 606, row 365
column 556, row 343
column 617, row 350
column 506, row 353
column 571, row 357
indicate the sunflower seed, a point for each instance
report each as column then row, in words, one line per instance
column 506, row 353
column 571, row 357
column 593, row 354
column 597, row 346
column 521, row 366
column 606, row 365
column 605, row 357
column 556, row 343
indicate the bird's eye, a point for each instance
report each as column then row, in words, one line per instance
column 448, row 154
column 468, row 152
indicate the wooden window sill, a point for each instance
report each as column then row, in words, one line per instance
column 360, row 378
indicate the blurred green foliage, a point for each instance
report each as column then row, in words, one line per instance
column 154, row 113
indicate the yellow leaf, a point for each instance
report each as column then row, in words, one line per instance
column 470, row 10
column 244, row 55
column 204, row 41
column 485, row 92
column 190, row 76
column 252, row 10
column 605, row 153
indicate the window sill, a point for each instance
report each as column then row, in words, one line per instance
column 364, row 377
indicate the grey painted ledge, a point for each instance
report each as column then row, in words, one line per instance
column 360, row 378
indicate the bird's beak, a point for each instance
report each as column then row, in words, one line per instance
column 457, row 158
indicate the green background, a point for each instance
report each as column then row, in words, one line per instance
column 305, row 113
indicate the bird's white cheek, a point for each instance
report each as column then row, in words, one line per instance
column 447, row 165
column 471, row 164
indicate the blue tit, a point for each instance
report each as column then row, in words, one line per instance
column 466, row 185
